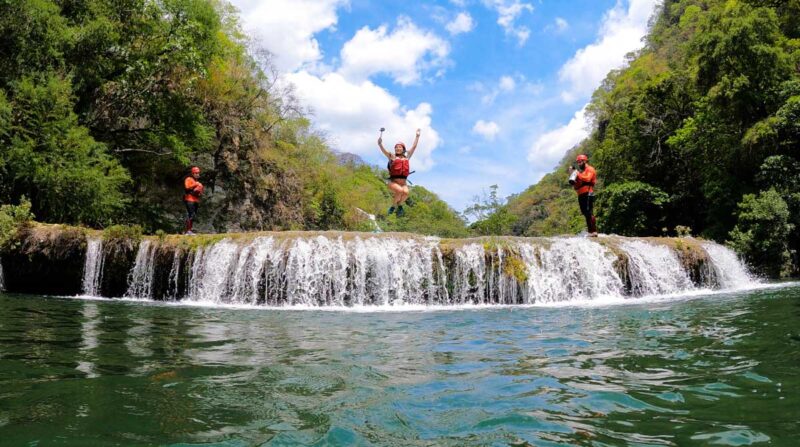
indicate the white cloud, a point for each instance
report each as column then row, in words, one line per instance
column 548, row 149
column 462, row 23
column 507, row 83
column 621, row 32
column 404, row 53
column 287, row 27
column 351, row 113
column 508, row 11
column 488, row 130
column 561, row 24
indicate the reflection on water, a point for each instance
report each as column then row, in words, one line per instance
column 716, row 370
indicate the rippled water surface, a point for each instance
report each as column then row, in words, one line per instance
column 715, row 370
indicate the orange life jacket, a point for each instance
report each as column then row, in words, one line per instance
column 192, row 189
column 584, row 182
column 399, row 168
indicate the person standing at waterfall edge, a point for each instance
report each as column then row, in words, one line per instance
column 399, row 170
column 193, row 189
column 583, row 180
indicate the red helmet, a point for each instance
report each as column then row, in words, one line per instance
column 195, row 170
column 582, row 158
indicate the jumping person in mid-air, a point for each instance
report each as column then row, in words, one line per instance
column 583, row 180
column 192, row 189
column 399, row 169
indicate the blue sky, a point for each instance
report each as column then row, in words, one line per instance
column 497, row 86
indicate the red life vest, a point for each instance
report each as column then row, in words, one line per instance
column 399, row 168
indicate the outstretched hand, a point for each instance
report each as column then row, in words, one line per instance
column 380, row 140
column 418, row 132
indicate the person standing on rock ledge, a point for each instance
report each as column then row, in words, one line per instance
column 193, row 189
column 399, row 170
column 583, row 180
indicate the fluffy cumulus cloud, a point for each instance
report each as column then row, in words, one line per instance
column 507, row 84
column 508, row 11
column 287, row 27
column 350, row 113
column 404, row 53
column 487, row 129
column 548, row 149
column 462, row 23
column 347, row 107
column 621, row 32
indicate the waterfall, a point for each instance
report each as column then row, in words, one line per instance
column 93, row 267
column 569, row 269
column 655, row 269
column 2, row 280
column 361, row 269
column 730, row 270
column 140, row 280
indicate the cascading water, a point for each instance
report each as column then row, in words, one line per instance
column 655, row 269
column 93, row 267
column 565, row 269
column 348, row 270
column 2, row 279
column 730, row 270
column 140, row 280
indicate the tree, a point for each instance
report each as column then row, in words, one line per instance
column 761, row 232
column 48, row 157
column 491, row 214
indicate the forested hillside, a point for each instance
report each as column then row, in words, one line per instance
column 105, row 104
column 700, row 131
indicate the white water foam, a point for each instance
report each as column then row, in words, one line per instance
column 93, row 267
column 601, row 302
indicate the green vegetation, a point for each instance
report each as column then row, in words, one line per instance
column 694, row 132
column 105, row 104
column 12, row 218
column 762, row 232
column 632, row 208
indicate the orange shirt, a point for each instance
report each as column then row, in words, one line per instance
column 585, row 181
column 190, row 184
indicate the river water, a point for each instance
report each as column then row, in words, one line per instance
column 717, row 369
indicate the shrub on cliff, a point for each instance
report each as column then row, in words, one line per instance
column 631, row 209
column 12, row 217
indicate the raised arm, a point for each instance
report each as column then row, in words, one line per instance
column 414, row 146
column 385, row 152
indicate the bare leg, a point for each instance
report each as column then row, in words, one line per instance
column 397, row 191
column 405, row 194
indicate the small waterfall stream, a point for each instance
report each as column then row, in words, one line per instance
column 140, row 280
column 362, row 269
column 2, row 279
column 93, row 267
column 730, row 270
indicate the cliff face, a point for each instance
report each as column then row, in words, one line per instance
column 341, row 269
